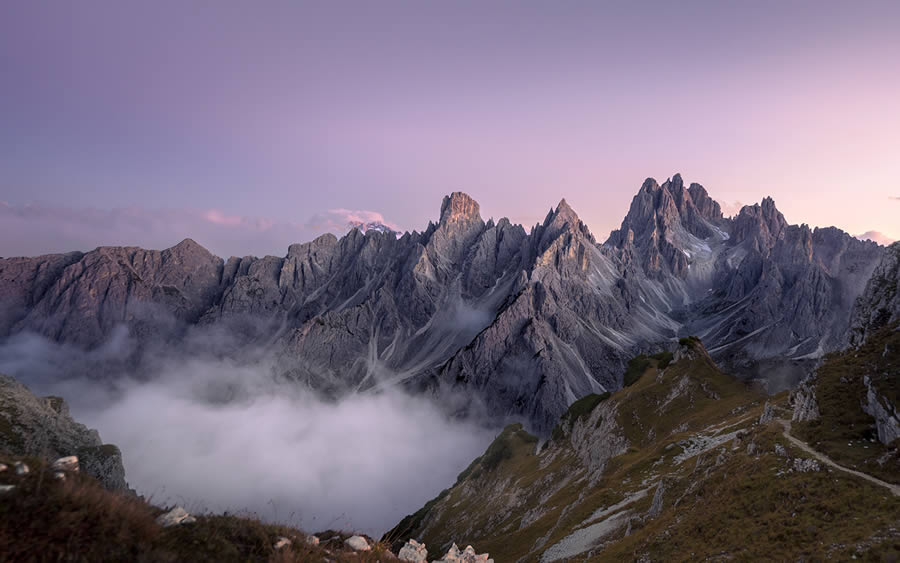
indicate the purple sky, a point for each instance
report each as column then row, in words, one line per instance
column 252, row 125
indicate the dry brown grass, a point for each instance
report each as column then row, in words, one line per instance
column 43, row 519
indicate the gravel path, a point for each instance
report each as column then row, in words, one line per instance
column 895, row 489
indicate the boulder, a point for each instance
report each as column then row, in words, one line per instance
column 357, row 543
column 468, row 555
column 413, row 551
column 282, row 543
column 68, row 463
column 175, row 517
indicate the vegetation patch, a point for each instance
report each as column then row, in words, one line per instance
column 844, row 431
column 636, row 368
column 582, row 408
column 663, row 359
column 689, row 341
column 503, row 445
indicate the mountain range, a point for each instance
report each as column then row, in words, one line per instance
column 487, row 316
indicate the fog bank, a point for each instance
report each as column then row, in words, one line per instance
column 216, row 435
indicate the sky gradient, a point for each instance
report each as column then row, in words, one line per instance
column 248, row 126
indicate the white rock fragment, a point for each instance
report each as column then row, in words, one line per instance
column 6, row 488
column 21, row 468
column 413, row 551
column 468, row 555
column 3, row 467
column 282, row 542
column 312, row 540
column 68, row 463
column 357, row 543
column 59, row 476
column 806, row 465
column 174, row 517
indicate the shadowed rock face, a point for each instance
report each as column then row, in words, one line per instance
column 522, row 322
column 879, row 304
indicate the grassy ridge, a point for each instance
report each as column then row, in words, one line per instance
column 739, row 498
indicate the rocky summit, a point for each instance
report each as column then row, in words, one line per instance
column 523, row 323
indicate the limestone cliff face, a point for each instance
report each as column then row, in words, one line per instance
column 527, row 321
column 753, row 287
column 42, row 427
column 80, row 298
column 879, row 304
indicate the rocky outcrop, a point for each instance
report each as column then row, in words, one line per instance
column 468, row 555
column 803, row 399
column 413, row 551
column 768, row 414
column 884, row 411
column 42, row 427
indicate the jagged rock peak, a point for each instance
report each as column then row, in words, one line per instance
column 561, row 215
column 657, row 207
column 762, row 222
column 459, row 206
column 564, row 210
column 190, row 247
column 561, row 219
column 649, row 186
column 707, row 206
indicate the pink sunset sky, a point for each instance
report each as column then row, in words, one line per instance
column 248, row 126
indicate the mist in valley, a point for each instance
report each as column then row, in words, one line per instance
column 216, row 433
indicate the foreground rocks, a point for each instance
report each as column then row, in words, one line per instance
column 175, row 517
column 357, row 543
column 468, row 555
column 413, row 551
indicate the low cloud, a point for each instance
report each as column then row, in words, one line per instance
column 876, row 236
column 29, row 230
column 215, row 434
column 338, row 219
column 731, row 209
